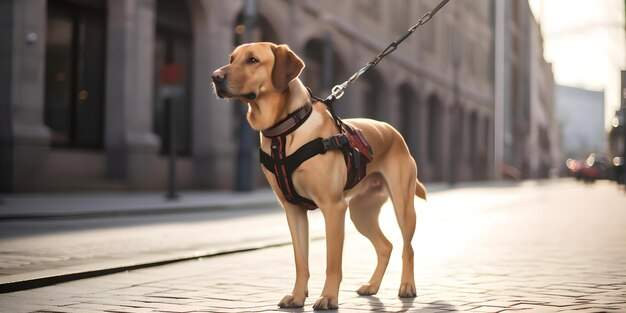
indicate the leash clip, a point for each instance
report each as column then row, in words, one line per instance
column 338, row 91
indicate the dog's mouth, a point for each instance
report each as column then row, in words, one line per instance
column 222, row 93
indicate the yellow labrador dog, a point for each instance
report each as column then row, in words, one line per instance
column 265, row 77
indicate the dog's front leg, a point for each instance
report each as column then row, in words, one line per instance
column 334, row 218
column 299, row 228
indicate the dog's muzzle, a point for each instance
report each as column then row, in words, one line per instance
column 221, row 89
column 219, row 84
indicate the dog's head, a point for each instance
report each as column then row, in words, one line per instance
column 256, row 69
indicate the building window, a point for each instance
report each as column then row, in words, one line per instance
column 173, row 51
column 75, row 57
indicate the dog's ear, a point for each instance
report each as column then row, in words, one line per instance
column 287, row 66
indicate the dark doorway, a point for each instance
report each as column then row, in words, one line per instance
column 373, row 94
column 485, row 148
column 408, row 110
column 474, row 158
column 409, row 119
column 173, row 48
column 434, row 137
column 75, row 58
column 323, row 66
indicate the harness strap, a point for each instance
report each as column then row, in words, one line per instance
column 353, row 146
column 307, row 151
column 283, row 166
column 280, row 171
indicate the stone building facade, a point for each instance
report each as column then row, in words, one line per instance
column 617, row 132
column 516, row 106
column 83, row 105
column 581, row 116
column 544, row 136
column 530, row 137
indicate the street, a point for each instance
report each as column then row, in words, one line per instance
column 546, row 246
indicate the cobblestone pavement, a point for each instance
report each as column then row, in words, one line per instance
column 553, row 247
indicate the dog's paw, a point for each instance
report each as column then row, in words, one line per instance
column 367, row 290
column 326, row 303
column 289, row 301
column 407, row 290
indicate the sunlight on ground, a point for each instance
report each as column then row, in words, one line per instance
column 447, row 223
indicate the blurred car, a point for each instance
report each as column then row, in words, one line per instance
column 573, row 167
column 595, row 168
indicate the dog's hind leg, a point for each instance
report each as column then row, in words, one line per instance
column 364, row 210
column 400, row 173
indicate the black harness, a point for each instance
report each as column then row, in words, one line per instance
column 350, row 141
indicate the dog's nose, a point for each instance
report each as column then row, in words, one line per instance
column 218, row 76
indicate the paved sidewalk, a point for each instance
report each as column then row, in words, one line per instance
column 552, row 247
column 106, row 204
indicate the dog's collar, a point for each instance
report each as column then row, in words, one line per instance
column 290, row 123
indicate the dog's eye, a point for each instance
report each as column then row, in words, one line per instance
column 252, row 60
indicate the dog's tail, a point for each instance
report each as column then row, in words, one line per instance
column 420, row 190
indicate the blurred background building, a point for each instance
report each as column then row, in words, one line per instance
column 617, row 132
column 82, row 100
column 581, row 115
column 587, row 46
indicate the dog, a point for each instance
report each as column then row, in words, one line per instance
column 264, row 76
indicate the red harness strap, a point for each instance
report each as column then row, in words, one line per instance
column 350, row 141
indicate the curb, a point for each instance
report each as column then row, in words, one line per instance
column 136, row 211
column 27, row 281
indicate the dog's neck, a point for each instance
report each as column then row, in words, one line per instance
column 270, row 108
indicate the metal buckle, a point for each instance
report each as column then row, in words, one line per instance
column 337, row 91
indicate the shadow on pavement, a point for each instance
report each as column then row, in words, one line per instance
column 408, row 305
column 375, row 303
column 441, row 306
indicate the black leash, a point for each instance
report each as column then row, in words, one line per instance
column 338, row 90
